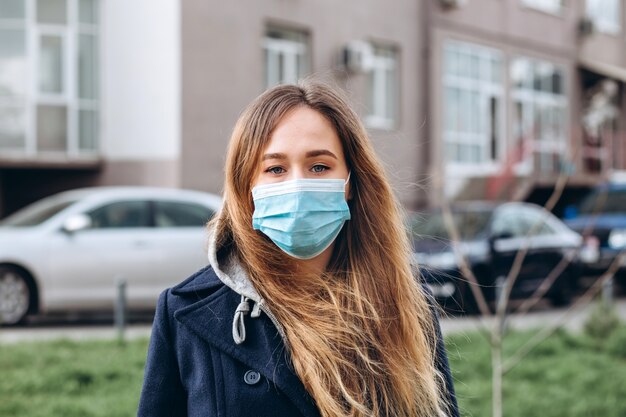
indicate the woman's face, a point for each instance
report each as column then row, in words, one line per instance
column 304, row 144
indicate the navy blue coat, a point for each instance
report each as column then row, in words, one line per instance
column 194, row 367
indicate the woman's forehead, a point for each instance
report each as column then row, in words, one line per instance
column 304, row 130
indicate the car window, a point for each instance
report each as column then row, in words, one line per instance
column 37, row 213
column 520, row 221
column 121, row 214
column 470, row 224
column 177, row 214
column 604, row 201
column 508, row 221
column 537, row 220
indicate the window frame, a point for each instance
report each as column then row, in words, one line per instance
column 68, row 97
column 20, row 101
column 600, row 22
column 553, row 7
column 290, row 50
column 536, row 145
column 383, row 110
column 486, row 89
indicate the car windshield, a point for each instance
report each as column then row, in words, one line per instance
column 38, row 212
column 470, row 224
column 606, row 201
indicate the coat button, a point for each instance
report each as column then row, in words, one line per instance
column 251, row 377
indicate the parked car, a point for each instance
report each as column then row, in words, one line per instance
column 66, row 252
column 602, row 215
column 490, row 237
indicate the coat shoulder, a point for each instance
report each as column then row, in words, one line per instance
column 198, row 286
column 202, row 280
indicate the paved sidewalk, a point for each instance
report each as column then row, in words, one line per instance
column 542, row 316
column 535, row 319
column 82, row 332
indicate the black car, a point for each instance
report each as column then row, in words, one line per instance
column 601, row 216
column 490, row 237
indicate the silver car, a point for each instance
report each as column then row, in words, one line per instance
column 67, row 251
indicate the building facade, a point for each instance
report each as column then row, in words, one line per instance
column 463, row 99
column 113, row 92
column 89, row 95
column 233, row 51
column 523, row 91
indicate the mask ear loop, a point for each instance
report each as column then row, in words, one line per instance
column 346, row 183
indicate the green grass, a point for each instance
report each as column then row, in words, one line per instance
column 71, row 379
column 566, row 376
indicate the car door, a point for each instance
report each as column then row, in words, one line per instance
column 180, row 239
column 85, row 265
column 518, row 227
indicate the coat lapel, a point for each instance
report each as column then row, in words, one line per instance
column 263, row 350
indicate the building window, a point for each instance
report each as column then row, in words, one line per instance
column 286, row 56
column 49, row 76
column 548, row 6
column 605, row 15
column 382, row 88
column 540, row 111
column 472, row 103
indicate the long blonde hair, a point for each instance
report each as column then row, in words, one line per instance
column 361, row 335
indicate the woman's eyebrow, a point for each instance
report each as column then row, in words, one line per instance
column 274, row 156
column 309, row 154
column 312, row 154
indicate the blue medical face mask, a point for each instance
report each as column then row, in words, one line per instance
column 302, row 217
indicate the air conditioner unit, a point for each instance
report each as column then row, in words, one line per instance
column 450, row 4
column 357, row 56
column 585, row 27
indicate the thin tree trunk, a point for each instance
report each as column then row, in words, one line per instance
column 496, row 370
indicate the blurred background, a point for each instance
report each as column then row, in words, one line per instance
column 508, row 114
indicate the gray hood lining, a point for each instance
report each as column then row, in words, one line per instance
column 231, row 272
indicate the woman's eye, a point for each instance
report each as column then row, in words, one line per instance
column 319, row 168
column 275, row 170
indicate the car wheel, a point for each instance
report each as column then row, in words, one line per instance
column 14, row 295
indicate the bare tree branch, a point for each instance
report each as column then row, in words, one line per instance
column 549, row 330
column 462, row 260
column 521, row 254
column 565, row 261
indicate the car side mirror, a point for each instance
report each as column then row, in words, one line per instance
column 76, row 223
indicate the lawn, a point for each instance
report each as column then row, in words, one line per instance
column 568, row 375
column 71, row 379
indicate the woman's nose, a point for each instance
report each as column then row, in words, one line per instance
column 297, row 174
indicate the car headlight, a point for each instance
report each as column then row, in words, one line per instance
column 590, row 251
column 617, row 239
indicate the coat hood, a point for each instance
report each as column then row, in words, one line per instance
column 230, row 271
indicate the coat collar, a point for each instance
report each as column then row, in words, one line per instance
column 263, row 350
column 204, row 279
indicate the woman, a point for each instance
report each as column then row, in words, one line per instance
column 309, row 306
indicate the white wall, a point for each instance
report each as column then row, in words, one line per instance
column 140, row 79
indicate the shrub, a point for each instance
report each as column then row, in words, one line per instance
column 602, row 321
column 616, row 344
